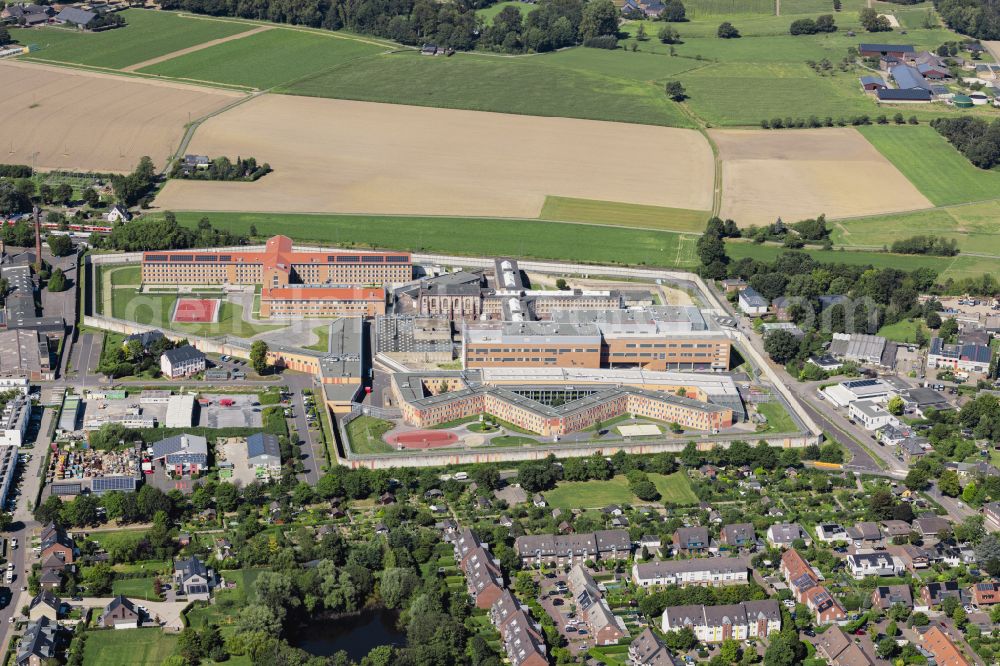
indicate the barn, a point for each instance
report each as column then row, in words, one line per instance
column 872, row 83
column 879, row 50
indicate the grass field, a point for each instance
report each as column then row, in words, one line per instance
column 903, row 331
column 973, row 226
column 137, row 647
column 939, row 171
column 135, row 588
column 543, row 85
column 365, row 434
column 626, row 215
column 149, row 34
column 157, row 309
column 778, row 419
column 488, row 13
column 674, row 488
column 323, row 344
column 266, row 59
column 482, row 237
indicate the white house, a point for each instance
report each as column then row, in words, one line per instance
column 181, row 362
column 874, row 564
column 844, row 393
column 830, row 532
column 752, row 303
column 118, row 213
column 870, row 415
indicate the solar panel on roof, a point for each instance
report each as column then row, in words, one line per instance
column 205, row 257
column 182, row 257
column 157, row 257
column 109, row 483
column 858, row 383
column 225, row 257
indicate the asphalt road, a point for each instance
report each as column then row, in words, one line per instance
column 311, row 446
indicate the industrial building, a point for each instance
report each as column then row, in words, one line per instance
column 968, row 357
column 656, row 338
column 14, row 421
column 180, row 411
column 25, row 353
column 182, row 454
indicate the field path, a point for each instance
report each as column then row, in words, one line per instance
column 197, row 47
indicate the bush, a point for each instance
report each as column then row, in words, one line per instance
column 727, row 31
column 804, row 26
column 609, row 42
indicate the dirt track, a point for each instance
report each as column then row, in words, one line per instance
column 57, row 118
column 360, row 157
column 797, row 174
column 197, row 47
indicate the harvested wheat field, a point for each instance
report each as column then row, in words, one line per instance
column 797, row 174
column 360, row 157
column 55, row 118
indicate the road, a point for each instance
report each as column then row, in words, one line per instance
column 312, row 455
column 24, row 526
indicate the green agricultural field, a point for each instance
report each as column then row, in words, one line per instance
column 973, row 226
column 365, row 434
column 474, row 237
column 137, row 647
column 266, row 59
column 926, row 158
column 904, row 331
column 539, row 85
column 149, row 34
column 626, row 215
column 716, row 8
column 674, row 488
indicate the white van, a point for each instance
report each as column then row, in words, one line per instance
column 461, row 476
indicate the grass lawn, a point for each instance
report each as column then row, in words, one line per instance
column 488, row 13
column 674, row 488
column 323, row 344
column 612, row 655
column 973, row 226
column 157, row 310
column 149, row 34
column 513, row 440
column 471, row 237
column 590, row 494
column 365, row 434
column 136, row 647
column 544, row 85
column 926, row 158
column 627, row 215
column 125, row 275
column 904, row 331
column 135, row 588
column 778, row 419
column 266, row 59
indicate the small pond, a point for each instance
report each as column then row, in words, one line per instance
column 355, row 634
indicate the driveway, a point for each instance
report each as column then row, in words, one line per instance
column 168, row 612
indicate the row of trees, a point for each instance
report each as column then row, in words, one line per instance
column 814, row 121
column 222, row 168
column 930, row 245
column 976, row 138
column 165, row 234
column 976, row 18
column 808, row 26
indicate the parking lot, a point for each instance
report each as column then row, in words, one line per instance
column 243, row 412
column 557, row 601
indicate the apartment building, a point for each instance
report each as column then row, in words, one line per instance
column 483, row 578
column 572, row 548
column 606, row 627
column 277, row 265
column 714, row 624
column 806, row 589
column 709, row 571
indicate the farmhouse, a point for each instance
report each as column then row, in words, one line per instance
column 648, row 8
column 28, row 15
column 879, row 50
column 75, row 16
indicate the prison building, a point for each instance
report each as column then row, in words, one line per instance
column 277, row 265
column 312, row 301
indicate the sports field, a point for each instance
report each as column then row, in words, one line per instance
column 674, row 489
column 805, row 173
column 265, row 59
column 158, row 309
column 942, row 173
column 125, row 118
column 366, row 434
column 137, row 647
column 149, row 34
column 196, row 310
column 355, row 157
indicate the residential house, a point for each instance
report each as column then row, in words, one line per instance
column 464, row 544
column 650, row 9
column 522, row 639
column 986, row 594
column 945, row 652
column 839, row 650
column 691, row 540
column 604, row 626
column 913, row 557
column 193, row 579
column 885, row 597
column 181, row 362
column 120, row 613
column 55, row 542
column 878, row 563
column 830, row 532
column 714, row 624
column 738, row 535
column 870, row 415
column 781, row 535
column 483, row 578
column 806, row 589
column 896, row 528
column 752, row 303
column 45, row 604
column 146, row 339
column 712, row 571
column 865, row 535
column 118, row 213
column 931, row 526
column 921, row 401
column 570, row 548
column 648, row 650
column 933, row 594
column 38, row 644
column 991, row 511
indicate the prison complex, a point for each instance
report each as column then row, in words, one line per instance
column 294, row 283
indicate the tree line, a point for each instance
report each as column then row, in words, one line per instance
column 930, row 245
column 976, row 18
column 976, row 138
column 222, row 168
column 145, row 234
